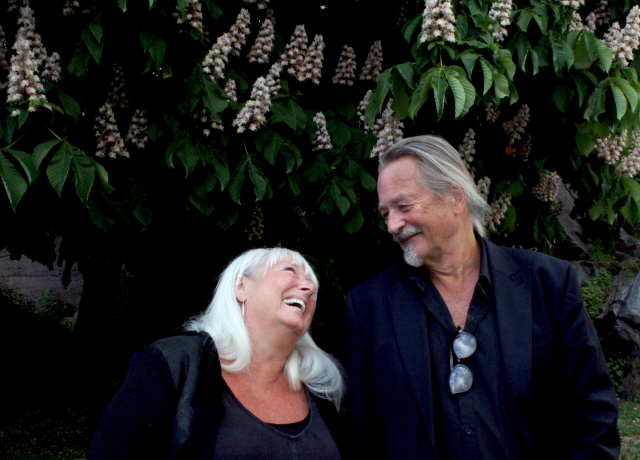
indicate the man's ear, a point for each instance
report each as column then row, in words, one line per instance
column 242, row 289
column 458, row 200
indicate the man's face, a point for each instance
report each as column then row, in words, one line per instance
column 420, row 222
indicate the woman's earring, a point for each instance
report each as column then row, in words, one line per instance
column 243, row 312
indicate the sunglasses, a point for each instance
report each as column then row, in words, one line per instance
column 462, row 346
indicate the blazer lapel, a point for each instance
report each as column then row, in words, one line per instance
column 513, row 298
column 409, row 320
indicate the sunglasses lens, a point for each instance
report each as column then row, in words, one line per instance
column 460, row 379
column 464, row 345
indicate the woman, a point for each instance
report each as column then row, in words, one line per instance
column 247, row 381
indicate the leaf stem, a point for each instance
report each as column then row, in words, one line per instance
column 57, row 137
column 15, row 142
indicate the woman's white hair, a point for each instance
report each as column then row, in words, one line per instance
column 440, row 169
column 222, row 320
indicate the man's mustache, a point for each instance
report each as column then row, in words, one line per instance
column 405, row 233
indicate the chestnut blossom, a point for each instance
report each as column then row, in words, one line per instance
column 483, row 187
column 322, row 141
column 387, row 129
column 273, row 77
column 230, row 90
column 630, row 165
column 516, row 126
column 362, row 109
column 623, row 42
column 264, row 43
column 492, row 112
column 110, row 142
column 203, row 116
column 501, row 13
column 548, row 187
column 254, row 111
column 192, row 14
column 25, row 82
column 610, row 149
column 117, row 95
column 15, row 5
column 312, row 65
column 573, row 4
column 239, row 31
column 217, row 57
column 346, row 70
column 498, row 210
column 4, row 65
column 468, row 148
column 438, row 22
column 137, row 135
column 525, row 149
column 373, row 65
column 602, row 13
column 255, row 229
column 295, row 52
column 577, row 24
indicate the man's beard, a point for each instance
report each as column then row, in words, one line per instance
column 410, row 257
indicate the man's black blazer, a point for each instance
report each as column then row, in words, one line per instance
column 561, row 399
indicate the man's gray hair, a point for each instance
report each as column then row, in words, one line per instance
column 440, row 169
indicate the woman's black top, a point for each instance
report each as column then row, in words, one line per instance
column 242, row 435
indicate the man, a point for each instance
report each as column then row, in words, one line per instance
column 468, row 350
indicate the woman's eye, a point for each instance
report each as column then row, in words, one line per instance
column 291, row 269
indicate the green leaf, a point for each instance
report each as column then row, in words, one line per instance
column 605, row 57
column 420, row 96
column 201, row 205
column 272, row 147
column 581, row 86
column 487, row 75
column 259, row 181
column 84, row 174
column 58, row 168
column 122, row 4
column 439, row 82
column 235, row 187
column 94, row 47
column 632, row 187
column 187, row 153
column 342, row 202
column 342, row 135
column 213, row 8
column 541, row 20
column 14, row 184
column 205, row 185
column 379, row 94
column 584, row 55
column 410, row 27
column 294, row 183
column 7, row 127
column 367, row 180
column 597, row 210
column 500, row 84
column 23, row 117
column 182, row 6
column 507, row 61
column 585, row 143
column 96, row 30
column 458, row 91
column 69, row 104
column 348, row 111
column 26, row 161
column 298, row 114
column 41, row 151
column 469, row 59
column 462, row 27
column 157, row 51
column 525, row 19
column 401, row 100
column 222, row 172
column 406, row 72
column 102, row 174
column 290, row 160
column 146, row 38
column 629, row 92
column 210, row 97
column 151, row 4
column 355, row 219
column 620, row 100
column 285, row 114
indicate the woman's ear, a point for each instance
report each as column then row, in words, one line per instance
column 242, row 289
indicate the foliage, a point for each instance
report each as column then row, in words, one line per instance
column 602, row 258
column 629, row 426
column 596, row 291
column 616, row 372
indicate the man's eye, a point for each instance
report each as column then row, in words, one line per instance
column 404, row 207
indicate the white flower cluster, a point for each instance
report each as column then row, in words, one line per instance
column 498, row 210
column 346, row 70
column 362, row 109
column 69, row 7
column 14, row 5
column 525, row 149
column 373, row 66
column 218, row 56
column 262, row 4
column 624, row 42
column 516, row 126
column 273, row 77
column 202, row 115
column 468, row 148
column 193, row 14
column 312, row 66
column 230, row 90
column 322, row 140
column 137, row 135
column 501, row 13
column 602, row 13
column 483, row 187
column 630, row 165
column 110, row 142
column 296, row 51
column 492, row 112
column 117, row 95
column 388, row 130
column 25, row 84
column 577, row 24
column 548, row 187
column 4, row 65
column 573, row 4
column 264, row 43
column 438, row 22
column 255, row 229
column 610, row 149
column 239, row 31
column 254, row 111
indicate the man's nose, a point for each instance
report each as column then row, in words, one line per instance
column 394, row 223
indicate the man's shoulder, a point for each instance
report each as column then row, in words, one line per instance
column 527, row 258
column 378, row 281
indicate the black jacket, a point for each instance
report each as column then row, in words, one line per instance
column 560, row 397
column 170, row 404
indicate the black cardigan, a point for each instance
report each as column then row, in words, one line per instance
column 170, row 404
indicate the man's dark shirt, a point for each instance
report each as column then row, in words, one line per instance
column 475, row 424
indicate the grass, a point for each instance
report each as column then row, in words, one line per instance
column 629, row 425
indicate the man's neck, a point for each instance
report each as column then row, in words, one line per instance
column 458, row 261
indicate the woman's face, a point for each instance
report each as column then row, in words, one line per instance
column 283, row 300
